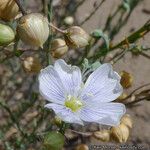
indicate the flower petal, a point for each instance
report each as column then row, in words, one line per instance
column 65, row 114
column 50, row 85
column 102, row 85
column 106, row 113
column 70, row 76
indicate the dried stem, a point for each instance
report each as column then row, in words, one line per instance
column 54, row 27
column 21, row 7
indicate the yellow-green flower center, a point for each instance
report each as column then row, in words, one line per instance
column 73, row 103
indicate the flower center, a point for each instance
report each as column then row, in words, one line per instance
column 73, row 103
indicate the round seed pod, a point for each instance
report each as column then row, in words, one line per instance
column 126, row 120
column 58, row 48
column 31, row 64
column 126, row 79
column 119, row 133
column 8, row 9
column 76, row 37
column 82, row 147
column 69, row 20
column 103, row 135
column 7, row 35
column 33, row 29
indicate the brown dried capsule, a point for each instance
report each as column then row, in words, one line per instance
column 33, row 29
column 119, row 133
column 58, row 48
column 31, row 64
column 126, row 120
column 8, row 9
column 103, row 135
column 126, row 79
column 76, row 37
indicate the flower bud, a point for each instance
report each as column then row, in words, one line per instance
column 8, row 9
column 126, row 79
column 57, row 121
column 33, row 29
column 7, row 35
column 119, row 133
column 103, row 135
column 126, row 120
column 58, row 48
column 69, row 20
column 82, row 147
column 31, row 64
column 53, row 141
column 76, row 37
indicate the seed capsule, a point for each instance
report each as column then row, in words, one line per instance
column 69, row 20
column 119, row 133
column 82, row 147
column 76, row 37
column 31, row 64
column 103, row 135
column 126, row 79
column 58, row 48
column 126, row 120
column 8, row 9
column 33, row 29
column 7, row 35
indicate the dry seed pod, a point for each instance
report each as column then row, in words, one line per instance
column 76, row 37
column 103, row 135
column 8, row 9
column 31, row 64
column 122, row 97
column 33, row 29
column 69, row 20
column 119, row 133
column 7, row 35
column 126, row 79
column 126, row 120
column 58, row 48
column 82, row 147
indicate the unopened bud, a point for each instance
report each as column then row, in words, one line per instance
column 7, row 35
column 126, row 79
column 76, row 37
column 58, row 48
column 53, row 141
column 31, row 64
column 103, row 135
column 82, row 147
column 57, row 121
column 120, row 133
column 33, row 29
column 69, row 20
column 8, row 9
column 126, row 120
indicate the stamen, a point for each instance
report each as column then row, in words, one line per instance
column 73, row 103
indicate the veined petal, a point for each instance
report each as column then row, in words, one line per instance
column 50, row 85
column 70, row 77
column 103, row 85
column 64, row 113
column 106, row 113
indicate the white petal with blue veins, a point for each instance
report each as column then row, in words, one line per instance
column 65, row 113
column 50, row 85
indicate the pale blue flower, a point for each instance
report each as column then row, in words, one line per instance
column 76, row 102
